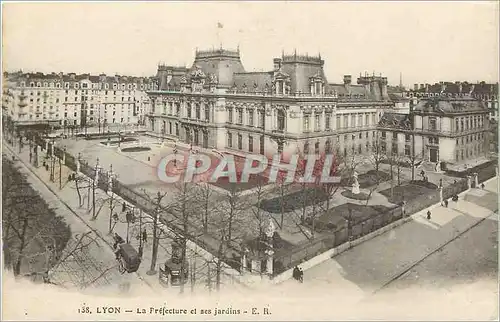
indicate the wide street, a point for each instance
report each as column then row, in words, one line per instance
column 443, row 268
column 422, row 259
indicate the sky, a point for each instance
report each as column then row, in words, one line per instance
column 426, row 42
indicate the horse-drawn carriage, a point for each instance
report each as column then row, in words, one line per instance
column 128, row 258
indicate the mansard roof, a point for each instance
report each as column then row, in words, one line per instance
column 253, row 81
column 449, row 105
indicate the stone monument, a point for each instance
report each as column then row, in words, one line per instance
column 355, row 185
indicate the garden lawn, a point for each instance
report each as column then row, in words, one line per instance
column 409, row 191
column 295, row 200
column 336, row 218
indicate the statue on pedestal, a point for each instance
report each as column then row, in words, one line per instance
column 355, row 185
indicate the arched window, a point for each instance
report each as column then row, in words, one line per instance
column 328, row 146
column 306, row 148
column 281, row 120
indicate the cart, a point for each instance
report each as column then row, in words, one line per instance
column 128, row 258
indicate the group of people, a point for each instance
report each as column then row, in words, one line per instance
column 298, row 274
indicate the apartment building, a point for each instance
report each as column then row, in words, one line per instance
column 62, row 100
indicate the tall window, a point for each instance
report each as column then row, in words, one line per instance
column 316, row 147
column 432, row 124
column 394, row 148
column 189, row 110
column 346, row 121
column 250, row 144
column 207, row 113
column 281, row 120
column 230, row 140
column 317, row 126
column 407, row 150
column 328, row 146
column 360, row 119
column 261, row 119
column 177, row 109
column 177, row 129
column 250, row 117
column 353, row 120
column 395, row 135
column 240, row 116
column 240, row 142
column 462, row 124
column 338, row 122
column 198, row 112
column 327, row 121
column 367, row 119
column 383, row 134
column 230, row 115
column 457, row 125
column 306, row 122
column 306, row 148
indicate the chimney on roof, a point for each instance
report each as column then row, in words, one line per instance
column 443, row 87
column 415, row 87
column 422, row 86
column 460, row 87
column 347, row 79
column 427, row 88
column 277, row 63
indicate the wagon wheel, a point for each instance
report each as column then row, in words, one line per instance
column 121, row 265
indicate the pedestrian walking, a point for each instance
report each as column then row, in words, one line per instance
column 446, row 203
column 482, row 185
column 301, row 275
column 296, row 273
column 144, row 236
column 428, row 214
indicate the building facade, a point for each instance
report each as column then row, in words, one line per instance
column 75, row 100
column 487, row 93
column 292, row 108
column 439, row 129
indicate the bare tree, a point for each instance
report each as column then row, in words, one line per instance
column 27, row 220
column 378, row 153
column 81, row 182
column 257, row 211
column 414, row 162
column 205, row 203
column 157, row 202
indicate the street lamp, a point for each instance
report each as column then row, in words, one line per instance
column 52, row 160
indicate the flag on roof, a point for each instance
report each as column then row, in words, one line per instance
column 219, row 25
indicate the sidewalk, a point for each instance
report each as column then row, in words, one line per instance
column 96, row 267
column 197, row 260
column 367, row 267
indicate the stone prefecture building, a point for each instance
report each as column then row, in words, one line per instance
column 487, row 93
column 216, row 103
column 77, row 100
column 442, row 128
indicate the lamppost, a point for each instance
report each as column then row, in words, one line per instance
column 60, row 166
column 94, row 186
column 52, row 161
